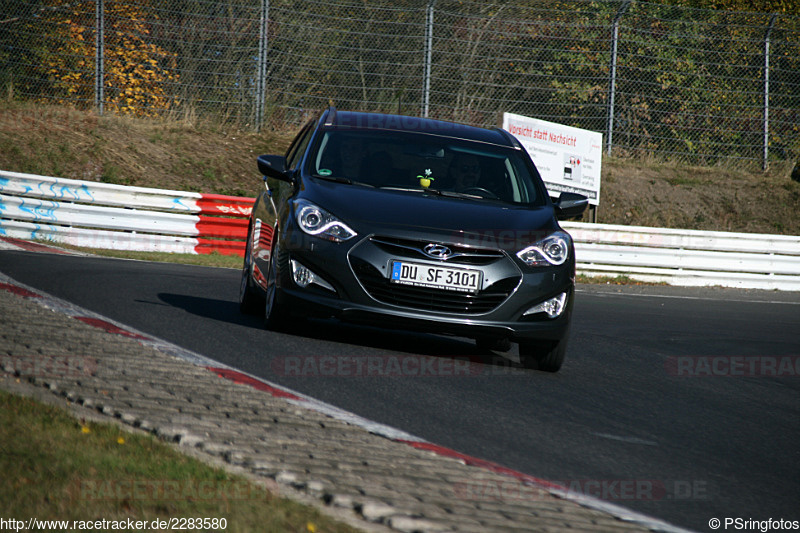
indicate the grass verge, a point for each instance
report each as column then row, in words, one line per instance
column 614, row 280
column 214, row 259
column 56, row 467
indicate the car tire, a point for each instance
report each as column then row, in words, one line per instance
column 250, row 301
column 547, row 356
column 275, row 311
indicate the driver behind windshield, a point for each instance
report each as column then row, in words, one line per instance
column 464, row 172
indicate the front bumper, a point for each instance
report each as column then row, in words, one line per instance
column 358, row 274
column 308, row 303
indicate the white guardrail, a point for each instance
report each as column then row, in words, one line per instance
column 101, row 215
column 688, row 257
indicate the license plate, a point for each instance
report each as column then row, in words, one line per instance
column 439, row 277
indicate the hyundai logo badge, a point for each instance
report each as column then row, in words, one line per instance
column 437, row 251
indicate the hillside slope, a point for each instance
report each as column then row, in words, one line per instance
column 203, row 157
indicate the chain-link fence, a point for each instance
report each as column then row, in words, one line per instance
column 698, row 85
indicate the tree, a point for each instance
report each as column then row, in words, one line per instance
column 757, row 6
column 137, row 72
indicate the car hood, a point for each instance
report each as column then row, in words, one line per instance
column 483, row 223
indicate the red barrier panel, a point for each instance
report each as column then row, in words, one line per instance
column 232, row 206
column 229, row 225
column 223, row 228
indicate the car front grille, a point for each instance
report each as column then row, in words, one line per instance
column 431, row 299
column 463, row 255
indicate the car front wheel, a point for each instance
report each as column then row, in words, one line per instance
column 275, row 311
column 250, row 302
column 547, row 356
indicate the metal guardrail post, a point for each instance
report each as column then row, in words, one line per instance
column 765, row 160
column 426, row 81
column 612, row 81
column 99, row 57
column 261, row 65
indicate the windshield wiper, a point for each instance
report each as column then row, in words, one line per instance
column 340, row 179
column 454, row 194
column 437, row 192
column 400, row 189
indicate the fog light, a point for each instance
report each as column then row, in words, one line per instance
column 304, row 277
column 553, row 307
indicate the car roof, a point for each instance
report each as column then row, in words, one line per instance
column 356, row 120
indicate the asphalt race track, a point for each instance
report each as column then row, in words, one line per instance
column 683, row 404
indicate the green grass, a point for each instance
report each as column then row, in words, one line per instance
column 614, row 280
column 213, row 259
column 58, row 468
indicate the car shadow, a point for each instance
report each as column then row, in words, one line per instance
column 212, row 308
column 333, row 330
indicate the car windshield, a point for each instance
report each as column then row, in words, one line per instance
column 427, row 163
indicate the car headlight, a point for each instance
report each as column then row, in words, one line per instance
column 552, row 250
column 316, row 221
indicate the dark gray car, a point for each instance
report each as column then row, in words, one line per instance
column 417, row 224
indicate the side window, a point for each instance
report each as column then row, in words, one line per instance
column 295, row 152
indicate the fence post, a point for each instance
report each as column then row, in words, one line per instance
column 765, row 161
column 426, row 80
column 612, row 80
column 261, row 65
column 99, row 57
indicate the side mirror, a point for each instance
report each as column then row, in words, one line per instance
column 570, row 205
column 273, row 166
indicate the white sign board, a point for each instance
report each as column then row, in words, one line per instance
column 567, row 158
